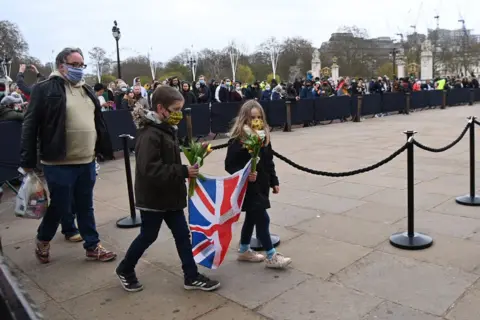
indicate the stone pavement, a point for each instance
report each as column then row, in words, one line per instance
column 335, row 229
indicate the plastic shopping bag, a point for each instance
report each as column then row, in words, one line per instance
column 32, row 198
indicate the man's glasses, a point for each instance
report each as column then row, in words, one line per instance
column 77, row 65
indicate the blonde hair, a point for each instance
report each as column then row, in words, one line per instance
column 244, row 119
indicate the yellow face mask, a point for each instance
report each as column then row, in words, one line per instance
column 175, row 118
column 257, row 124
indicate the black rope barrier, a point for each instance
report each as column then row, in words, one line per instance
column 476, row 122
column 451, row 145
column 342, row 174
column 220, row 146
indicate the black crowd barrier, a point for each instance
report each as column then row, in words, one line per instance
column 119, row 122
column 10, row 135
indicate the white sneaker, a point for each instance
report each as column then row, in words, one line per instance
column 278, row 261
column 251, row 256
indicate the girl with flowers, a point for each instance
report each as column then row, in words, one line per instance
column 250, row 140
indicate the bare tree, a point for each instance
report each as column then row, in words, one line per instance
column 235, row 51
column 12, row 44
column 273, row 48
column 100, row 61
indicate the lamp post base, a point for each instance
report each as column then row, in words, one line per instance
column 419, row 241
column 128, row 222
column 256, row 245
column 468, row 200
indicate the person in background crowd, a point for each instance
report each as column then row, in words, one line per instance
column 306, row 92
column 291, row 94
column 343, row 89
column 417, row 86
column 108, row 93
column 174, row 83
column 143, row 91
column 204, row 92
column 188, row 94
column 27, row 90
column 99, row 90
column 360, row 88
column 236, row 93
column 277, row 92
column 128, row 101
column 121, row 90
column 253, row 91
column 8, row 106
column 224, row 91
column 317, row 90
column 139, row 99
column 474, row 83
column 71, row 130
column 267, row 94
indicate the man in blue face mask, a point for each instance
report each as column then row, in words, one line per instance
column 65, row 116
column 203, row 91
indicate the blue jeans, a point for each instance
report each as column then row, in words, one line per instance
column 261, row 221
column 70, row 184
column 69, row 229
column 151, row 223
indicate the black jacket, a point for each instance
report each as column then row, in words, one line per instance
column 45, row 120
column 160, row 177
column 8, row 114
column 257, row 196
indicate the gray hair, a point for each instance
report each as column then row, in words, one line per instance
column 62, row 56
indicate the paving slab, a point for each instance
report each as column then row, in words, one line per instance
column 254, row 284
column 431, row 222
column 419, row 285
column 468, row 306
column 162, row 298
column 232, row 311
column 391, row 311
column 455, row 209
column 317, row 299
column 377, row 212
column 348, row 229
column 349, row 190
column 288, row 215
column 423, row 199
column 319, row 256
column 53, row 311
column 446, row 251
column 59, row 281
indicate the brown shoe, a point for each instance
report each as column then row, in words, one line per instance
column 75, row 238
column 100, row 254
column 42, row 251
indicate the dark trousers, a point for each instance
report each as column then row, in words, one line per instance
column 151, row 223
column 261, row 221
column 68, row 223
column 70, row 184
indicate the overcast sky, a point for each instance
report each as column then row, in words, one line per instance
column 168, row 27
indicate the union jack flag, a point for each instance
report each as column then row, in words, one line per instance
column 213, row 210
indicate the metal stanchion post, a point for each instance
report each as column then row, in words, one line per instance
column 188, row 119
column 410, row 240
column 471, row 199
column 133, row 220
column 407, row 102
column 444, row 99
column 472, row 97
column 359, row 109
column 288, row 109
column 256, row 245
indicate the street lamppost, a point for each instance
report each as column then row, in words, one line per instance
column 117, row 35
column 193, row 64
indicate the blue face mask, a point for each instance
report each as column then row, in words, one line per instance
column 74, row 75
column 202, row 81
